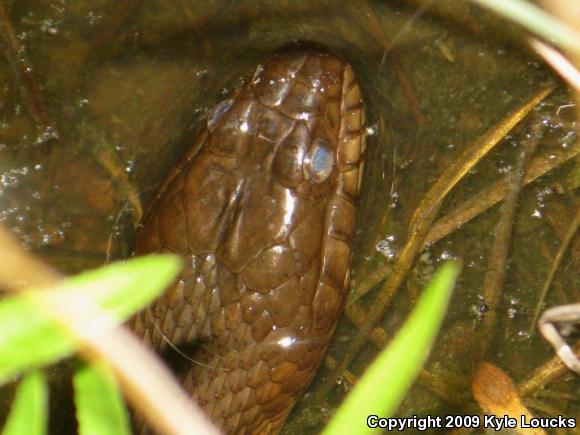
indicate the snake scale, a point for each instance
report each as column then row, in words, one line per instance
column 262, row 209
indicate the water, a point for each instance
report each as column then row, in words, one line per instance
column 125, row 86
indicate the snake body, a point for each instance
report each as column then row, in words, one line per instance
column 263, row 210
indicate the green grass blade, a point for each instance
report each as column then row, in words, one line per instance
column 384, row 384
column 30, row 337
column 123, row 288
column 100, row 407
column 537, row 21
column 29, row 414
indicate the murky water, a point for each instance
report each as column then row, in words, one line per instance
column 121, row 87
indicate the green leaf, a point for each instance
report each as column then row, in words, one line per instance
column 100, row 407
column 29, row 337
column 29, row 334
column 384, row 384
column 124, row 288
column 29, row 408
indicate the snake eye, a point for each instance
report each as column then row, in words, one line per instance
column 319, row 161
column 218, row 112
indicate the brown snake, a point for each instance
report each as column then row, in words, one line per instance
column 263, row 211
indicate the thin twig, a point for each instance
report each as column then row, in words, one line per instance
column 548, row 372
column 497, row 192
column 554, row 267
column 383, row 39
column 117, row 172
column 495, row 275
column 544, row 408
column 29, row 89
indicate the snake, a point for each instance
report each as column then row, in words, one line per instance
column 262, row 209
